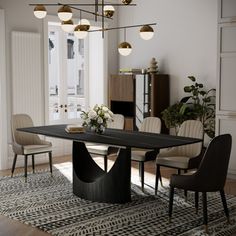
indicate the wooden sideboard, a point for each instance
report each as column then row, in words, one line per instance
column 139, row 96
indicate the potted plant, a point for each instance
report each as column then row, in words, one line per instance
column 199, row 104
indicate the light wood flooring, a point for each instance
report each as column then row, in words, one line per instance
column 14, row 228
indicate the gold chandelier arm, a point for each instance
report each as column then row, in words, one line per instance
column 121, row 27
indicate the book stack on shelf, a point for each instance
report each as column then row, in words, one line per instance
column 130, row 71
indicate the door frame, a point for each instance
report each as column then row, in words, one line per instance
column 3, row 98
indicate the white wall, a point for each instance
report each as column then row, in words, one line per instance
column 185, row 40
column 19, row 17
column 3, row 116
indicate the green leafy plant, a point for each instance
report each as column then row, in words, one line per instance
column 200, row 104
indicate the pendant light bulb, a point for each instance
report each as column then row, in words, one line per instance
column 67, row 26
column 64, row 13
column 40, row 11
column 109, row 11
column 126, row 2
column 146, row 32
column 81, row 30
column 125, row 49
column 85, row 23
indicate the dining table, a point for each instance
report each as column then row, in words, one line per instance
column 91, row 182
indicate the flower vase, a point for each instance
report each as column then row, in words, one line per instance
column 100, row 130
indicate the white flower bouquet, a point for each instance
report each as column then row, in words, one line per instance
column 97, row 118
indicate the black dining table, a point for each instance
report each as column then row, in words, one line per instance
column 89, row 180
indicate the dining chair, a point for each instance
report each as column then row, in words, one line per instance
column 209, row 177
column 183, row 157
column 105, row 150
column 27, row 144
column 151, row 125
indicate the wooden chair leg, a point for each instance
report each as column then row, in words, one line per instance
column 158, row 173
column 105, row 163
column 223, row 199
column 50, row 161
column 33, row 163
column 26, row 160
column 196, row 201
column 141, row 168
column 13, row 165
column 171, row 199
column 204, row 203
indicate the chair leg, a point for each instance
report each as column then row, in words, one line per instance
column 196, row 201
column 13, row 165
column 171, row 198
column 223, row 199
column 157, row 178
column 204, row 203
column 50, row 161
column 141, row 171
column 185, row 191
column 26, row 160
column 179, row 171
column 33, row 163
column 105, row 163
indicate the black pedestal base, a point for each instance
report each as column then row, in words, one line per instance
column 92, row 183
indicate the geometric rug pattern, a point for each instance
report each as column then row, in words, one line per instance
column 48, row 203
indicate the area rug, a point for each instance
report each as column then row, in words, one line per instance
column 48, row 203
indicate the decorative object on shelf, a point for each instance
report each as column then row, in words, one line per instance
column 81, row 30
column 96, row 119
column 153, row 66
column 199, row 105
column 130, row 71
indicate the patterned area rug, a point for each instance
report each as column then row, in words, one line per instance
column 48, row 203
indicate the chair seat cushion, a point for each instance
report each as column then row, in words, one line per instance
column 34, row 149
column 143, row 155
column 98, row 149
column 179, row 162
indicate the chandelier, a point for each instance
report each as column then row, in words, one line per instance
column 81, row 30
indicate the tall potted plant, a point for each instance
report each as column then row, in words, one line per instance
column 199, row 104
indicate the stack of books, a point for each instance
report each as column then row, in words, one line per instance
column 130, row 71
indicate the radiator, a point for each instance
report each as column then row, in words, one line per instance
column 27, row 88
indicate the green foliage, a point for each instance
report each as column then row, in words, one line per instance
column 200, row 104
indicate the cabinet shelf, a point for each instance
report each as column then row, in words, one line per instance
column 139, row 96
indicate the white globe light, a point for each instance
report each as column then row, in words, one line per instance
column 67, row 26
column 146, row 32
column 108, row 11
column 65, row 13
column 81, row 31
column 125, row 49
column 40, row 11
column 81, row 34
column 84, row 22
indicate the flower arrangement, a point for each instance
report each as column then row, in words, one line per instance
column 97, row 118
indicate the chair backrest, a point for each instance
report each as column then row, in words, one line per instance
column 22, row 138
column 117, row 123
column 192, row 129
column 151, row 125
column 212, row 171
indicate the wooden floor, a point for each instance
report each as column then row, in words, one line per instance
column 14, row 228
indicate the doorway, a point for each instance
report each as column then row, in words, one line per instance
column 75, row 76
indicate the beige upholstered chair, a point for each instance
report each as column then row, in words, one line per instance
column 152, row 125
column 27, row 144
column 183, row 157
column 105, row 150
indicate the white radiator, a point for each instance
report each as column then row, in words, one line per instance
column 27, row 89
